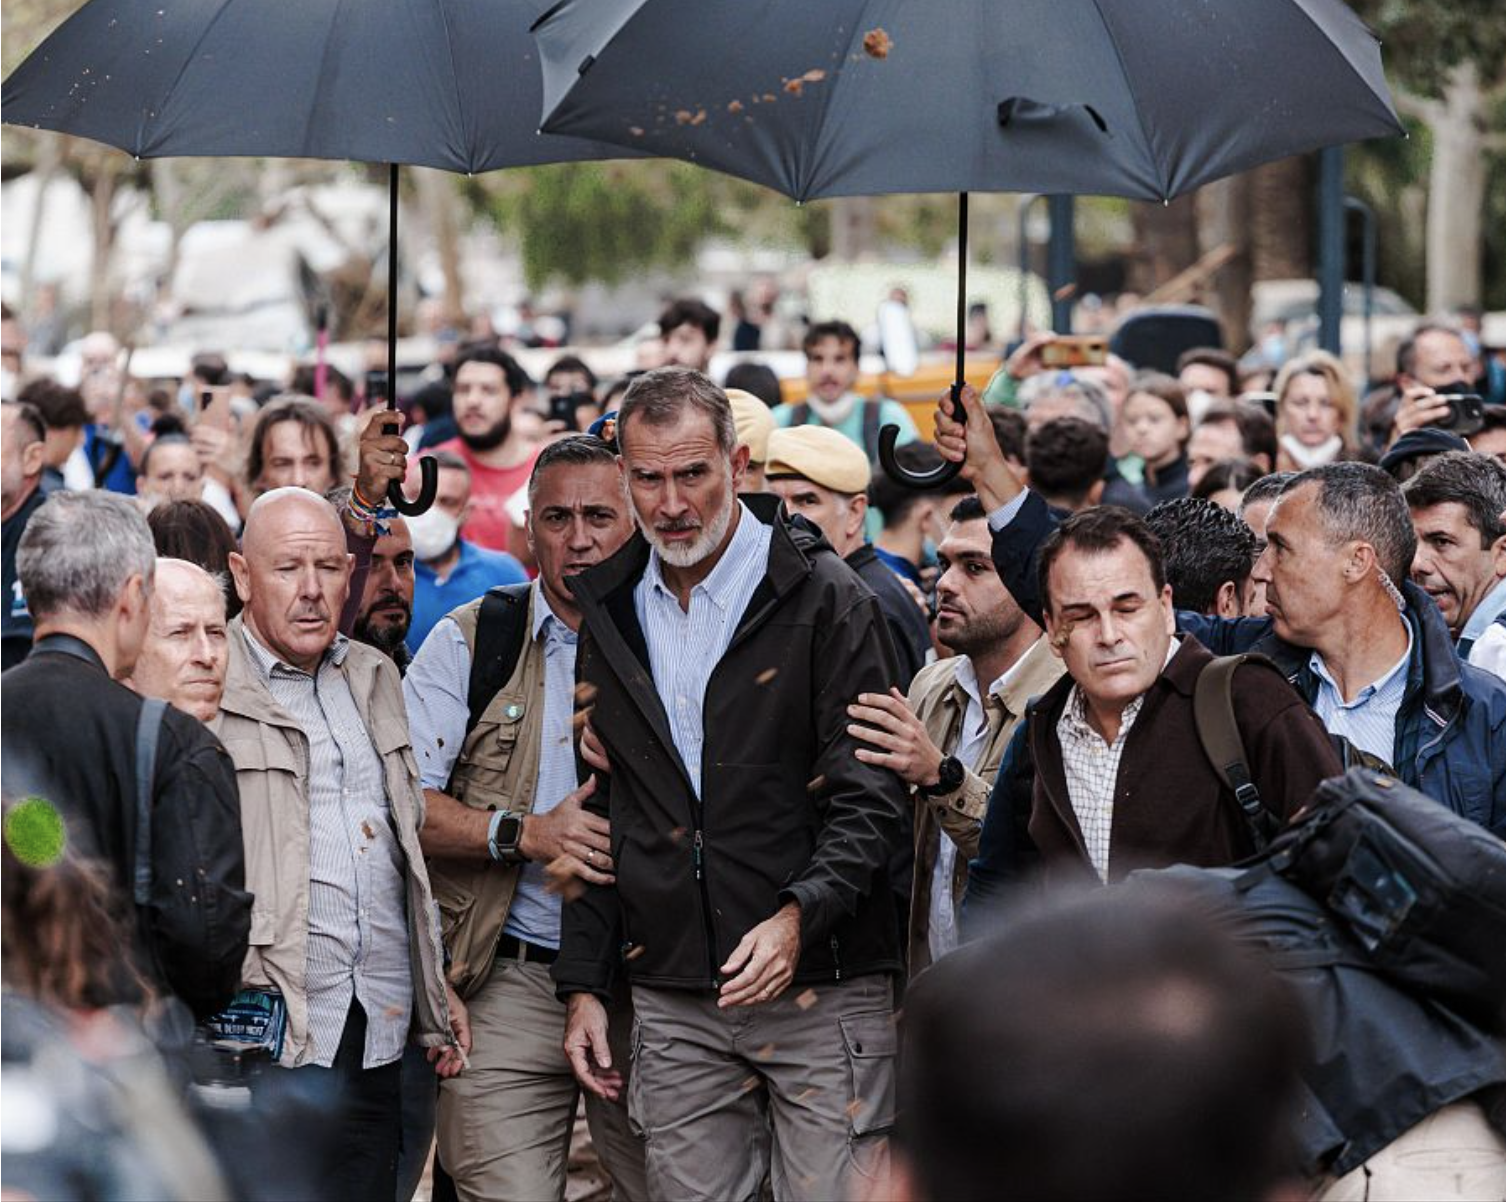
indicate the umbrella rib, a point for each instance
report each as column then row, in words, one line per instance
column 183, row 69
column 1162, row 183
column 449, row 45
column 829, row 98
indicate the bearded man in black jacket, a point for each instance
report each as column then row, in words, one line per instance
column 720, row 649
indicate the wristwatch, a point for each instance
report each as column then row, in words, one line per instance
column 503, row 836
column 949, row 777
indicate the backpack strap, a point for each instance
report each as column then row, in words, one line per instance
column 1218, row 731
column 800, row 415
column 501, row 631
column 148, row 727
column 872, row 409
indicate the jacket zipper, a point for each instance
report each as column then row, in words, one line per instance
column 698, row 856
column 836, row 959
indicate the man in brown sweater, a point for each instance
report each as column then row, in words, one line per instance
column 1121, row 780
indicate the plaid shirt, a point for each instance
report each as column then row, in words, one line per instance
column 1091, row 766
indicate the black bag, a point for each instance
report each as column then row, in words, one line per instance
column 1422, row 890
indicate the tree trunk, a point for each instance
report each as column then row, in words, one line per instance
column 102, row 198
column 1165, row 242
column 1223, row 219
column 854, row 225
column 1281, row 220
column 1456, row 193
column 437, row 198
column 49, row 159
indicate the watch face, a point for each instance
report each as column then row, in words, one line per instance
column 508, row 831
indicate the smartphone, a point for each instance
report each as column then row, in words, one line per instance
column 1466, row 414
column 376, row 387
column 1076, row 350
column 566, row 408
column 1266, row 400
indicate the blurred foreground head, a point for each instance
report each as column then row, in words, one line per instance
column 1109, row 1047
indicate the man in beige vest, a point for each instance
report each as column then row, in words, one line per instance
column 343, row 928
column 507, row 834
column 946, row 739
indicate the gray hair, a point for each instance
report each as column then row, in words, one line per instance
column 1267, row 488
column 1090, row 396
column 1359, row 501
column 659, row 397
column 79, row 551
column 574, row 450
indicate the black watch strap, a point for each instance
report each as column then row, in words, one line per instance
column 949, row 777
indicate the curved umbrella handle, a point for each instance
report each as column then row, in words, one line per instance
column 428, row 489
column 934, row 478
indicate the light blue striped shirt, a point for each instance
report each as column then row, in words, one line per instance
column 435, row 690
column 684, row 647
column 1369, row 721
column 357, row 916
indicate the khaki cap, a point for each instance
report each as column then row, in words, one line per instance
column 821, row 455
column 754, row 423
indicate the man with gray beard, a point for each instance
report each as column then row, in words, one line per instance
column 751, row 911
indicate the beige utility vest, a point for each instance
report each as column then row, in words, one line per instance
column 497, row 770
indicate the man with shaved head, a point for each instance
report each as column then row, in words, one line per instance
column 344, row 941
column 183, row 657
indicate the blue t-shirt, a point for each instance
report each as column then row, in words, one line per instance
column 122, row 477
column 478, row 570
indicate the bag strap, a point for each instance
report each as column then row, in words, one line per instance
column 1218, row 731
column 800, row 414
column 501, row 627
column 871, row 412
column 148, row 726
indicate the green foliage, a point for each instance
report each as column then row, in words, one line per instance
column 1422, row 39
column 603, row 221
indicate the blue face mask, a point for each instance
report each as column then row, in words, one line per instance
column 186, row 397
column 928, row 557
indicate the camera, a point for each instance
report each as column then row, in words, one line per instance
column 1466, row 413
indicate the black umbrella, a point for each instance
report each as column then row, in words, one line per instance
column 438, row 83
column 1137, row 98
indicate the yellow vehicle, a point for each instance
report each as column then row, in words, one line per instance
column 918, row 393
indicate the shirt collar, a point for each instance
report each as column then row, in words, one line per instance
column 1077, row 701
column 1395, row 677
column 1485, row 613
column 266, row 662
column 545, row 620
column 967, row 679
column 720, row 583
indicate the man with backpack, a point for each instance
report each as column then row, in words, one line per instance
column 831, row 372
column 491, row 698
column 1121, row 778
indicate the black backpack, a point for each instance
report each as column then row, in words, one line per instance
column 1421, row 889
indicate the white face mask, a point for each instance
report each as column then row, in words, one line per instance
column 434, row 533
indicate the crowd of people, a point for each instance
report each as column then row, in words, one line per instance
column 678, row 745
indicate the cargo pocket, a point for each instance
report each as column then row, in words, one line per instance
column 872, row 1044
column 634, row 1088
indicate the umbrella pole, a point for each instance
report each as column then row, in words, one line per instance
column 428, row 466
column 392, row 286
column 889, row 435
column 961, row 296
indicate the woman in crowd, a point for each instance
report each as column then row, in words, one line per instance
column 1155, row 419
column 1315, row 412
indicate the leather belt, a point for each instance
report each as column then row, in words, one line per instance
column 511, row 948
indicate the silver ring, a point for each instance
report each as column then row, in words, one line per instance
column 590, row 857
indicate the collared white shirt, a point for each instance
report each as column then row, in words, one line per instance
column 1491, row 606
column 972, row 739
column 357, row 903
column 1091, row 766
column 1369, row 721
column 684, row 647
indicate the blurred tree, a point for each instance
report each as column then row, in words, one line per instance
column 1447, row 65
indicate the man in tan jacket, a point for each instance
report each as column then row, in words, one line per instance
column 947, row 737
column 344, row 947
column 507, row 833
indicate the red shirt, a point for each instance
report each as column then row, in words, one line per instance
column 491, row 488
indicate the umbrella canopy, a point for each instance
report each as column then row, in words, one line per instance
column 1136, row 98
column 452, row 84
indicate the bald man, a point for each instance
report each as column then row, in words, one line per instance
column 344, row 939
column 183, row 658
